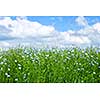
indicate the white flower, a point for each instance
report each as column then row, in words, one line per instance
column 19, row 64
column 98, row 66
column 82, row 81
column 82, row 51
column 80, row 64
column 16, row 79
column 86, row 54
column 31, row 57
column 47, row 55
column 1, row 63
column 5, row 63
column 72, row 50
column 27, row 56
column 92, row 56
column 23, row 57
column 68, row 52
column 94, row 72
column 78, row 69
column 8, row 75
column 15, row 60
column 8, row 69
column 19, row 67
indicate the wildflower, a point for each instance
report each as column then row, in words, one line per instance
column 98, row 66
column 86, row 54
column 67, row 68
column 80, row 64
column 23, row 56
column 72, row 54
column 8, row 75
column 5, row 63
column 94, row 72
column 8, row 69
column 19, row 64
column 16, row 79
column 27, row 56
column 47, row 55
column 19, row 68
column 78, row 69
column 56, row 60
column 82, row 51
column 82, row 81
column 68, row 52
column 64, row 60
column 1, row 63
column 92, row 64
column 26, row 52
column 72, row 50
column 28, row 73
column 95, row 62
column 15, row 60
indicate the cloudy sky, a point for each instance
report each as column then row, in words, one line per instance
column 59, row 31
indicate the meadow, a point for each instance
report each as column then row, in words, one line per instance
column 27, row 65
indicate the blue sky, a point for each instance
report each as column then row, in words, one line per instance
column 61, row 23
column 49, row 30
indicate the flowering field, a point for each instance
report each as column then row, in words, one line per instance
column 27, row 65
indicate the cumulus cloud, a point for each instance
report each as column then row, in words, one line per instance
column 92, row 33
column 75, row 39
column 23, row 28
column 97, row 27
column 81, row 21
column 25, row 32
column 4, row 44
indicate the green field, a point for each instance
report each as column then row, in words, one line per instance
column 27, row 65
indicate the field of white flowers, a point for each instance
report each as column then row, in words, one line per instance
column 27, row 65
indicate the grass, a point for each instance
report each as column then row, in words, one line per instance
column 27, row 65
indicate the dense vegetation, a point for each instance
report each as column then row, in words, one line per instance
column 27, row 65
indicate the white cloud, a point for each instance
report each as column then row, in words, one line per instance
column 92, row 33
column 71, row 32
column 81, row 21
column 79, row 39
column 97, row 27
column 23, row 28
column 75, row 39
column 34, row 33
column 4, row 44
